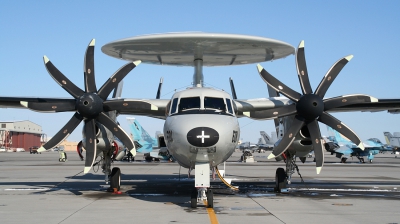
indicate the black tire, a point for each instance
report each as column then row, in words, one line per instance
column 115, row 178
column 193, row 199
column 210, row 199
column 280, row 179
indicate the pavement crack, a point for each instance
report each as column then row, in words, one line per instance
column 265, row 209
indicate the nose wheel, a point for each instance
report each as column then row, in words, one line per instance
column 202, row 194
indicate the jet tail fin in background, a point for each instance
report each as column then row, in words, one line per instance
column 140, row 136
column 393, row 140
column 338, row 137
column 266, row 138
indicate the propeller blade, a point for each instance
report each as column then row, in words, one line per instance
column 90, row 144
column 336, row 124
column 341, row 101
column 113, row 81
column 232, row 89
column 302, row 69
column 88, row 70
column 159, row 89
column 272, row 113
column 56, row 106
column 60, row 78
column 288, row 137
column 128, row 106
column 63, row 133
column 315, row 135
column 332, row 73
column 278, row 85
column 116, row 130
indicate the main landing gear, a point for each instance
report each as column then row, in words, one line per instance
column 111, row 176
column 115, row 179
column 280, row 180
column 282, row 177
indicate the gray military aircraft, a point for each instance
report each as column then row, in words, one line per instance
column 392, row 140
column 266, row 142
column 201, row 124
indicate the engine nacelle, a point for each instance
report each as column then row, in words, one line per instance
column 118, row 150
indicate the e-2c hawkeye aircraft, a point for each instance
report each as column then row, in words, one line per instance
column 201, row 126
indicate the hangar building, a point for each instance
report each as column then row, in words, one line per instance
column 20, row 134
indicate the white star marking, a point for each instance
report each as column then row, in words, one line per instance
column 202, row 136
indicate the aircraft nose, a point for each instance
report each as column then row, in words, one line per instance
column 202, row 137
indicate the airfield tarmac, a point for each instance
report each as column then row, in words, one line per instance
column 38, row 189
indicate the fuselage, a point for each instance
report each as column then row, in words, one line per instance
column 201, row 127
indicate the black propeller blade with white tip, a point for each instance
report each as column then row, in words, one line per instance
column 89, row 105
column 310, row 107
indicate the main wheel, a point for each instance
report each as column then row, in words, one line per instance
column 193, row 199
column 280, row 179
column 115, row 178
column 210, row 199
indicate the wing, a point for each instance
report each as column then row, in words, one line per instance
column 259, row 108
column 270, row 108
column 147, row 107
column 18, row 102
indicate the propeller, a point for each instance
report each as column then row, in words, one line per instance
column 309, row 107
column 88, row 104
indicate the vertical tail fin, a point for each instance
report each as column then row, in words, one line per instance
column 393, row 140
column 388, row 136
column 266, row 138
column 338, row 137
column 141, row 136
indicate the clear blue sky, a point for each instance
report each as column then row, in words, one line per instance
column 61, row 30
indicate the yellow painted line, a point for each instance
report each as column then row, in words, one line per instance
column 211, row 214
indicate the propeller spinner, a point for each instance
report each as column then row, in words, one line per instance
column 309, row 107
column 90, row 105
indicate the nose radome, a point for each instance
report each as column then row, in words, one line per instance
column 202, row 137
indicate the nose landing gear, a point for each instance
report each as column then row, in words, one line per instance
column 202, row 190
column 202, row 194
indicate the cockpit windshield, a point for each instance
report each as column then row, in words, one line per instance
column 214, row 103
column 200, row 105
column 189, row 103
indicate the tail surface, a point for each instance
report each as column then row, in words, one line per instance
column 140, row 136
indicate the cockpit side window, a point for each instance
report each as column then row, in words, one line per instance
column 174, row 104
column 228, row 103
column 189, row 103
column 214, row 103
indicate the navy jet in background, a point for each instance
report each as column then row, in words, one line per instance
column 266, row 143
column 152, row 148
column 393, row 141
column 343, row 148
